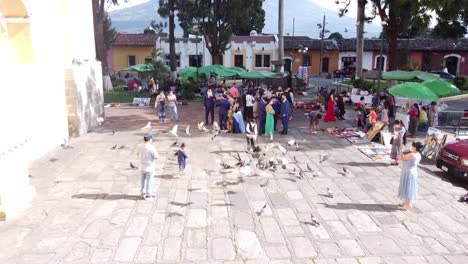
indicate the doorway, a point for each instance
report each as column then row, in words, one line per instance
column 288, row 65
column 451, row 63
column 239, row 60
column 325, row 64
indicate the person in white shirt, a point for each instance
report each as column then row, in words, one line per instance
column 171, row 103
column 249, row 104
column 148, row 155
column 251, row 133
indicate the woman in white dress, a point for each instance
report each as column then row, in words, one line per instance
column 409, row 175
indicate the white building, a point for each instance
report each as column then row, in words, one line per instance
column 188, row 50
column 347, row 58
column 254, row 52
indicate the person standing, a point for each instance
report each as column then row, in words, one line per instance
column 330, row 116
column 249, row 105
column 172, row 104
column 224, row 107
column 409, row 175
column 361, row 113
column 391, row 105
column 422, row 126
column 314, row 117
column 434, row 115
column 261, row 115
column 372, row 118
column 160, row 104
column 209, row 101
column 384, row 114
column 244, row 103
column 251, row 133
column 148, row 155
column 270, row 119
column 398, row 141
column 181, row 159
column 341, row 105
column 414, row 119
column 277, row 107
column 285, row 114
column 234, row 91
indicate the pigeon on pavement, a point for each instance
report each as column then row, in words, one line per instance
column 174, row 144
column 314, row 220
column 329, row 193
column 66, row 144
column 148, row 126
column 173, row 131
column 265, row 183
column 114, row 147
column 187, row 130
column 259, row 213
column 133, row 166
column 308, row 167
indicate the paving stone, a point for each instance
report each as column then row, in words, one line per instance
column 278, row 200
column 239, row 201
column 293, row 230
column 457, row 259
column 448, row 223
column 243, row 219
column 287, row 217
column 147, row 254
column 222, row 249
column 338, row 229
column 80, row 252
column 362, row 222
column 248, row 245
column 346, row 261
column 176, row 226
column 371, row 260
column 195, row 254
column 101, row 255
column 415, row 259
column 380, row 245
column 318, row 232
column 277, row 252
column 137, row 226
column 127, row 249
column 196, row 218
column 196, row 238
column 351, row 247
column 302, row 247
column 328, row 249
column 171, row 249
column 435, row 259
column 271, row 231
column 36, row 258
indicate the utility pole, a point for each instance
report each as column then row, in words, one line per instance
column 360, row 36
column 294, row 22
column 280, row 34
column 322, row 35
column 172, row 52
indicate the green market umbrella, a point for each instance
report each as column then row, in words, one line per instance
column 257, row 75
column 212, row 69
column 190, row 72
column 425, row 76
column 398, row 75
column 238, row 70
column 148, row 67
column 414, row 91
column 442, row 88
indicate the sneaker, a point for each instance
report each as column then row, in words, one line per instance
column 149, row 197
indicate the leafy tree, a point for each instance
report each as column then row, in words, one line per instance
column 155, row 28
column 251, row 17
column 167, row 9
column 335, row 35
column 161, row 71
column 448, row 29
column 109, row 32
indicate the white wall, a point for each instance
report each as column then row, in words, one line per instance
column 249, row 50
column 366, row 59
column 185, row 49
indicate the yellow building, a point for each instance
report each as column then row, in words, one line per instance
column 49, row 68
column 130, row 49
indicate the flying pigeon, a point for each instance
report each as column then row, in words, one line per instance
column 265, row 183
column 314, row 220
column 100, row 120
column 259, row 213
column 133, row 166
column 114, row 147
column 329, row 193
column 187, row 130
column 173, row 131
column 216, row 126
column 148, row 126
column 174, row 144
column 201, row 125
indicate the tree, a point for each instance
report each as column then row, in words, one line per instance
column 216, row 20
column 155, row 28
column 252, row 19
column 167, row 8
column 448, row 29
column 335, row 35
column 102, row 39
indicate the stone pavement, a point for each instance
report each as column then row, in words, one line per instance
column 88, row 211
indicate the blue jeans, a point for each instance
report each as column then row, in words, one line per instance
column 162, row 114
column 285, row 120
column 147, row 181
column 173, row 112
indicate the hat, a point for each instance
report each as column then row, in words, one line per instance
column 148, row 136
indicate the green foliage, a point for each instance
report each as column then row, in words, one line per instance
column 190, row 87
column 124, row 97
column 362, row 84
column 252, row 17
column 335, row 35
column 448, row 29
column 109, row 32
column 460, row 82
column 155, row 28
column 415, row 65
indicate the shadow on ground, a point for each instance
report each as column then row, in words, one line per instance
column 365, row 207
column 105, row 196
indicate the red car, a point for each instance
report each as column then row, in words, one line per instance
column 454, row 157
column 346, row 71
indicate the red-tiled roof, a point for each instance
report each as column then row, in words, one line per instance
column 258, row 39
column 135, row 40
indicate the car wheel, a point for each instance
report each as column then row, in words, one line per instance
column 450, row 172
column 439, row 164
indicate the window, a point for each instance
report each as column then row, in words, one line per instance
column 148, row 60
column 325, row 63
column 239, row 60
column 306, row 60
column 380, row 63
column 262, row 60
column 131, row 60
column 168, row 59
column 195, row 60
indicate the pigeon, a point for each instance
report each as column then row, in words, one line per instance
column 216, row 126
column 259, row 213
column 308, row 167
column 282, row 149
column 100, row 120
column 201, row 125
column 265, row 183
column 148, row 126
column 187, row 130
column 463, row 198
column 66, row 144
column 323, row 158
column 114, row 147
column 133, row 166
column 300, row 174
column 215, row 134
column 314, row 220
column 173, row 131
column 329, row 193
column 122, row 147
column 53, row 160
column 293, row 142
column 174, row 144
column 113, row 132
column 294, row 157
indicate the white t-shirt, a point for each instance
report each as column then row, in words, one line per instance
column 148, row 154
column 249, row 100
column 171, row 99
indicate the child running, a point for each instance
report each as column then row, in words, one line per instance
column 181, row 159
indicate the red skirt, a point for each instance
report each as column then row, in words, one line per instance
column 330, row 116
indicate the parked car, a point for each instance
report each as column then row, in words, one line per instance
column 454, row 157
column 444, row 75
column 346, row 71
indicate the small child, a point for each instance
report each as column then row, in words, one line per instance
column 251, row 133
column 181, row 159
column 314, row 117
column 148, row 155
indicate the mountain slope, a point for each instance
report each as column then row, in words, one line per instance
column 307, row 15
